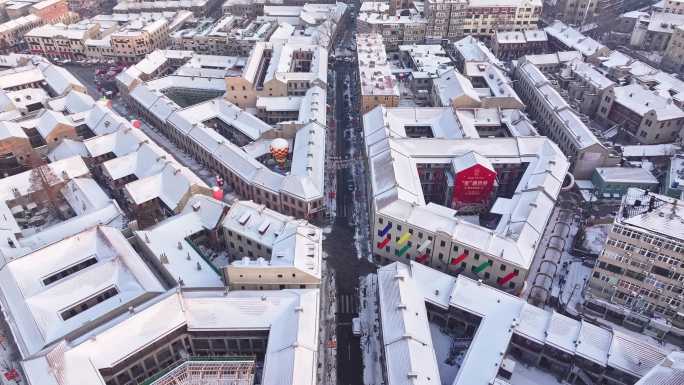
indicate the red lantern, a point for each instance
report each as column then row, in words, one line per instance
column 217, row 193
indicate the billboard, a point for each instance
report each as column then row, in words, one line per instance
column 473, row 185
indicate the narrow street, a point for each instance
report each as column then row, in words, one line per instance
column 348, row 246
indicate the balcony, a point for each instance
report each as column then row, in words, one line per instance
column 207, row 371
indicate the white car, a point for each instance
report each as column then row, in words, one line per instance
column 356, row 326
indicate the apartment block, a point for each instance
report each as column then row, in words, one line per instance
column 132, row 42
column 395, row 30
column 642, row 113
column 638, row 279
column 453, row 19
column 378, row 85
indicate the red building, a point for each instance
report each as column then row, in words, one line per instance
column 474, row 180
column 50, row 11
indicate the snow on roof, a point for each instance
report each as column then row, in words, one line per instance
column 641, row 101
column 473, row 50
column 76, row 101
column 593, row 342
column 632, row 355
column 20, row 184
column 637, row 151
column 636, row 175
column 281, row 67
column 501, row 315
column 38, row 307
column 451, row 85
column 168, row 242
column 119, row 142
column 500, row 85
column 675, row 175
column 187, row 82
column 374, row 70
column 109, row 215
column 508, row 37
column 553, row 58
column 562, row 332
column 410, row 356
column 290, row 317
column 575, row 130
column 306, row 178
column 19, row 76
column 313, row 107
column 279, row 103
column 59, row 79
column 148, row 159
column 221, row 109
column 670, row 371
column 84, row 195
column 575, row 40
column 9, row 129
column 589, row 73
column 27, row 97
column 622, row 65
column 444, row 122
column 427, row 60
column 664, row 22
column 293, row 242
column 49, row 120
column 170, row 185
column 396, row 190
column 102, row 120
column 666, row 219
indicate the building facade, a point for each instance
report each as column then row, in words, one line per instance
column 638, row 279
column 377, row 83
column 453, row 19
column 641, row 113
column 560, row 123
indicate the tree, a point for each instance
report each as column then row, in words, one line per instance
column 43, row 179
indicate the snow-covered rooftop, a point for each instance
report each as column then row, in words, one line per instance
column 636, row 175
column 167, row 241
column 641, row 101
column 651, row 150
column 293, row 242
column 410, row 356
column 451, row 85
column 40, row 288
column 396, row 190
column 374, row 70
column 501, row 315
column 470, row 49
column 578, row 132
column 669, row 371
column 666, row 218
column 575, row 40
column 289, row 316
column 590, row 74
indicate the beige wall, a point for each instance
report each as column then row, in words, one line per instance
column 20, row 147
column 61, row 131
column 368, row 102
column 240, row 92
column 442, row 250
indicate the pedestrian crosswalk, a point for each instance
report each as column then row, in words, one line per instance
column 347, row 304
